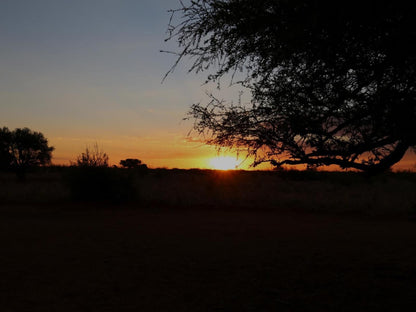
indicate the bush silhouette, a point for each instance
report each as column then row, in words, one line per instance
column 94, row 157
column 131, row 163
column 90, row 179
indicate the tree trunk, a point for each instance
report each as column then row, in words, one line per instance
column 389, row 160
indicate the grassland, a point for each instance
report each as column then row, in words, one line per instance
column 331, row 192
column 209, row 241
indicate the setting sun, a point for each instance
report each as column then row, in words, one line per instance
column 224, row 163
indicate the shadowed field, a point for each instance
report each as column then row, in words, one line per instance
column 333, row 192
column 112, row 260
column 211, row 241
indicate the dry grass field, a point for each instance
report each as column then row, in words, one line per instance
column 211, row 241
column 327, row 192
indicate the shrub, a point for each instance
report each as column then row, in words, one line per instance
column 133, row 163
column 90, row 179
column 130, row 163
column 94, row 157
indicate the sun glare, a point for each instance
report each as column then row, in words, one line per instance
column 224, row 163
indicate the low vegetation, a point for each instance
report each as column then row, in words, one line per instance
column 313, row 191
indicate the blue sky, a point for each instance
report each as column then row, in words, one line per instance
column 91, row 71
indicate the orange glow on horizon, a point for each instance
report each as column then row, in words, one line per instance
column 172, row 151
column 224, row 163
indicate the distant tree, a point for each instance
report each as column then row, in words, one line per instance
column 5, row 148
column 94, row 157
column 23, row 148
column 130, row 163
column 332, row 82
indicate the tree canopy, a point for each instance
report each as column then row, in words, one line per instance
column 131, row 163
column 332, row 82
column 23, row 148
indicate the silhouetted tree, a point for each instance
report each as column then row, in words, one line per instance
column 130, row 163
column 332, row 82
column 94, row 157
column 23, row 148
column 5, row 148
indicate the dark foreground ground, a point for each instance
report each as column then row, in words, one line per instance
column 74, row 259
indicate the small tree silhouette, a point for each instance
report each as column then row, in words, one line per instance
column 94, row 157
column 22, row 149
column 5, row 148
column 130, row 163
column 91, row 179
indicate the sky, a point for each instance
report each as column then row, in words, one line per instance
column 90, row 71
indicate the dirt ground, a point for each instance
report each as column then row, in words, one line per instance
column 161, row 260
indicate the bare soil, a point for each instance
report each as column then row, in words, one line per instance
column 155, row 259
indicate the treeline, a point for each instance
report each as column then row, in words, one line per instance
column 23, row 149
column 88, row 178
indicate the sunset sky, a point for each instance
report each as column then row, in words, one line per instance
column 90, row 71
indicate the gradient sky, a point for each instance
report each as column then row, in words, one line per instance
column 87, row 71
